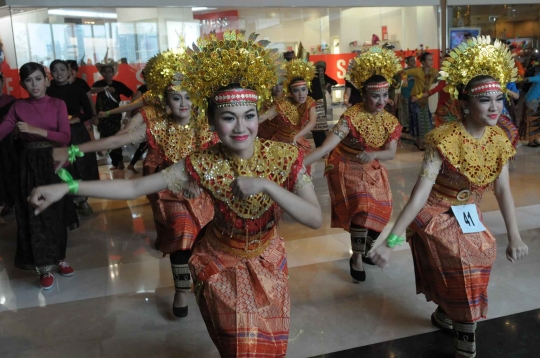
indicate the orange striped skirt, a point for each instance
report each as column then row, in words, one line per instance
column 244, row 300
column 178, row 220
column 452, row 269
column 360, row 193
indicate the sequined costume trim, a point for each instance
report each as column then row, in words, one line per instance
column 174, row 141
column 215, row 169
column 296, row 115
column 480, row 160
column 372, row 132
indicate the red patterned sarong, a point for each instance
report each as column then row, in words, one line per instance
column 360, row 193
column 452, row 269
column 244, row 300
column 177, row 220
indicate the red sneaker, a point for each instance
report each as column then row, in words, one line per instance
column 64, row 269
column 46, row 281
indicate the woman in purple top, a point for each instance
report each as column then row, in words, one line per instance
column 42, row 123
column 7, row 158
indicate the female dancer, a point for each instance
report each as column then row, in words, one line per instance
column 405, row 98
column 178, row 217
column 268, row 128
column 462, row 160
column 7, row 158
column 79, row 111
column 424, row 77
column 43, row 123
column 297, row 112
column 239, row 261
column 364, row 136
column 529, row 128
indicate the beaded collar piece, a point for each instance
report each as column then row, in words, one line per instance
column 297, row 115
column 479, row 159
column 372, row 131
column 215, row 169
column 176, row 142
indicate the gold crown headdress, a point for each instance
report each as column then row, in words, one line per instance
column 212, row 64
column 163, row 73
column 374, row 61
column 475, row 57
column 299, row 68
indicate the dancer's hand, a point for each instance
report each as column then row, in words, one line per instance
column 244, row 187
column 516, row 250
column 295, row 139
column 366, row 157
column 381, row 255
column 60, row 156
column 27, row 128
column 192, row 191
column 110, row 89
column 102, row 114
column 44, row 196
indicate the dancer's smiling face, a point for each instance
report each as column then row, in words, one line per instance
column 237, row 127
column 180, row 105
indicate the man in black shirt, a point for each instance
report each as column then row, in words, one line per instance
column 321, row 84
column 108, row 97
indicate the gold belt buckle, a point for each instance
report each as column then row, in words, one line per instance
column 246, row 247
column 463, row 195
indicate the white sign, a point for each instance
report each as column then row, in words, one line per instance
column 467, row 217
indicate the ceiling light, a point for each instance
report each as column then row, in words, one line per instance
column 195, row 9
column 81, row 13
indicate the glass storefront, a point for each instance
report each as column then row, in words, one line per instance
column 132, row 35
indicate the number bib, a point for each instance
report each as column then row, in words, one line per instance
column 467, row 217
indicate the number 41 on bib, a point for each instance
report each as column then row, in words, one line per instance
column 467, row 217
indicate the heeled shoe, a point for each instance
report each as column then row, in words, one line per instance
column 367, row 260
column 445, row 330
column 180, row 312
column 357, row 275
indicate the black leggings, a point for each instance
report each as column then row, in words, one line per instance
column 180, row 257
column 139, row 152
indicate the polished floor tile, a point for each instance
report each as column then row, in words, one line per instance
column 118, row 303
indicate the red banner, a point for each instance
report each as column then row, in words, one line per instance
column 336, row 65
column 130, row 75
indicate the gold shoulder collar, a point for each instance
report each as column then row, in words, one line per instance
column 479, row 159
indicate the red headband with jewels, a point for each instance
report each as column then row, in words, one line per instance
column 483, row 89
column 235, row 97
column 299, row 83
column 378, row 87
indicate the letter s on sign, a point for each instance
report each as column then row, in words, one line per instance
column 342, row 70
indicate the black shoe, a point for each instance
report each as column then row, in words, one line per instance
column 445, row 330
column 6, row 210
column 180, row 312
column 84, row 209
column 73, row 226
column 357, row 275
column 156, row 245
column 367, row 260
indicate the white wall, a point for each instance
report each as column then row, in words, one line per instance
column 359, row 24
column 6, row 33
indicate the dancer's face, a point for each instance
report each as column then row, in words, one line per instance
column 411, row 62
column 179, row 104
column 484, row 110
column 107, row 73
column 428, row 61
column 36, row 84
column 237, row 127
column 277, row 90
column 375, row 101
column 60, row 73
column 299, row 94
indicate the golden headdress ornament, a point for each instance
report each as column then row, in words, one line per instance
column 163, row 73
column 475, row 57
column 212, row 64
column 299, row 68
column 373, row 61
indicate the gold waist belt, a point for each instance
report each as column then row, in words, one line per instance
column 451, row 194
column 240, row 245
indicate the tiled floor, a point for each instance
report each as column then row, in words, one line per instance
column 118, row 303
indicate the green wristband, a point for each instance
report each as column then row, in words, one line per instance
column 393, row 240
column 107, row 114
column 73, row 153
column 73, row 185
